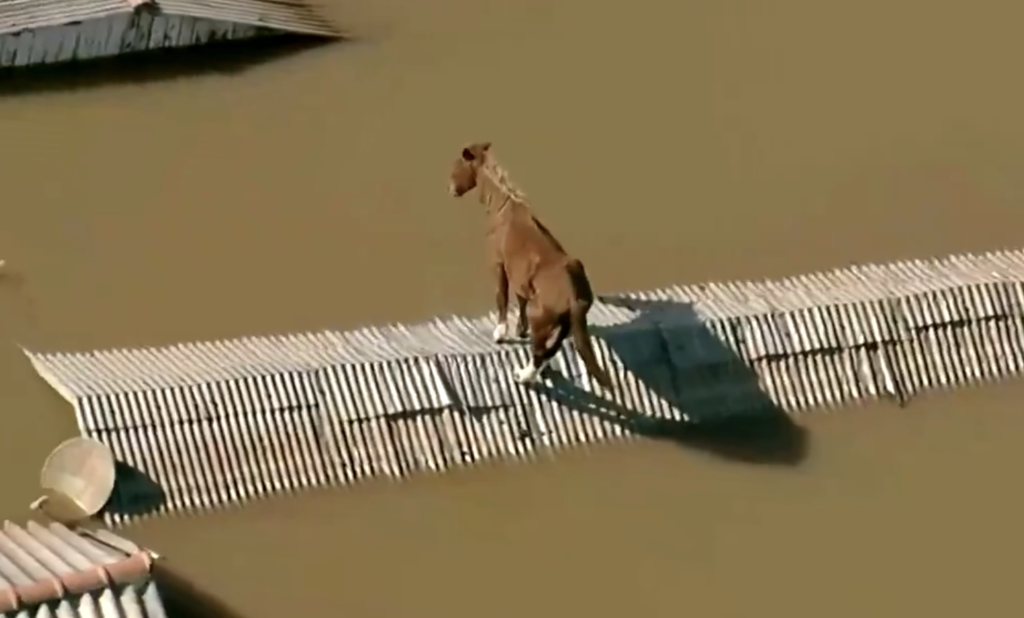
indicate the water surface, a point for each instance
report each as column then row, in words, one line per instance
column 664, row 142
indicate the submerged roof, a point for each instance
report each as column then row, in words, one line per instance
column 20, row 15
column 913, row 292
column 207, row 424
column 49, row 570
column 281, row 15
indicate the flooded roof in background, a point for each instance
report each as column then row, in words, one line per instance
column 22, row 15
column 283, row 15
column 206, row 424
column 48, row 570
column 52, row 31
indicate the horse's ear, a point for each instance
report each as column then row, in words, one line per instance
column 485, row 146
column 467, row 154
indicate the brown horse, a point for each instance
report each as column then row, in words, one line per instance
column 551, row 287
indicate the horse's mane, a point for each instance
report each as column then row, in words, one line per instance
column 500, row 177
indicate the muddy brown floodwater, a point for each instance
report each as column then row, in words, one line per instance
column 895, row 513
column 664, row 142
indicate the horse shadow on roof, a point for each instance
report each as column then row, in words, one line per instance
column 729, row 415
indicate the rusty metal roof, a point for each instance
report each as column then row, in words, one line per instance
column 51, row 567
column 279, row 15
column 224, row 422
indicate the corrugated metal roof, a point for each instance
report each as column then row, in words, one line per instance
column 280, row 15
column 82, row 374
column 20, row 15
column 224, row 422
column 886, row 297
column 51, row 570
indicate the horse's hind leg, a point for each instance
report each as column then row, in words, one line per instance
column 547, row 332
column 500, row 334
column 523, row 326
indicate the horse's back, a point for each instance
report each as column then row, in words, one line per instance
column 547, row 233
column 527, row 230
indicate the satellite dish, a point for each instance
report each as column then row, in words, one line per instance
column 77, row 480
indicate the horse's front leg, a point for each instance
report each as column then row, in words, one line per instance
column 501, row 299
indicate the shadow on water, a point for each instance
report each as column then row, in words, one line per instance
column 217, row 58
column 135, row 492
column 184, row 599
column 730, row 415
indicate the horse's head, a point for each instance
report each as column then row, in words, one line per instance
column 466, row 167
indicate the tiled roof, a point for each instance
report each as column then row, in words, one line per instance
column 48, row 567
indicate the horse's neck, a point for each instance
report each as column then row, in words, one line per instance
column 501, row 205
column 506, row 211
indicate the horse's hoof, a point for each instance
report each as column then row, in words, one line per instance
column 526, row 374
column 500, row 334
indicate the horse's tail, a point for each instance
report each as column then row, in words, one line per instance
column 582, row 299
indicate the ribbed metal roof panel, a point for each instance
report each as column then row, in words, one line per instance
column 206, row 425
column 279, row 15
column 19, row 15
column 881, row 294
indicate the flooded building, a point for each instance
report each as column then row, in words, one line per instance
column 35, row 32
column 51, row 570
